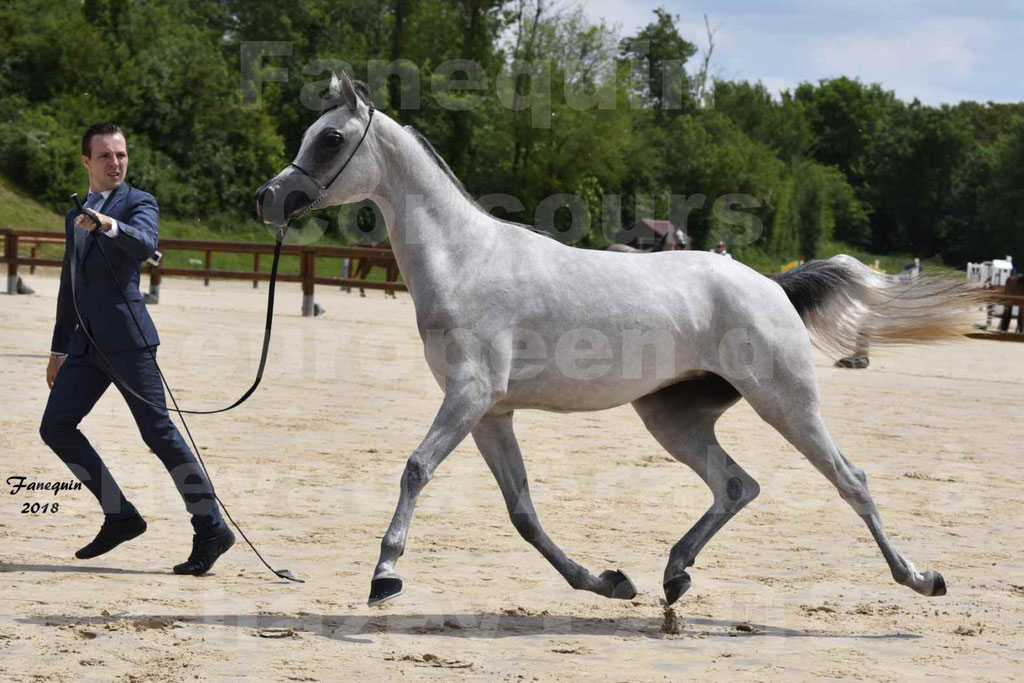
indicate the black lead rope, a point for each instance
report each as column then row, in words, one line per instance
column 280, row 573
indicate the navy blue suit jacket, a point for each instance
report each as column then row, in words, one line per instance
column 99, row 303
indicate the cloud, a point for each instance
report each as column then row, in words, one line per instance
column 939, row 51
column 928, row 60
column 628, row 14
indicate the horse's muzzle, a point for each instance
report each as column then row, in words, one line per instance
column 277, row 203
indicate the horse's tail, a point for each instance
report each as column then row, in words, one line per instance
column 848, row 307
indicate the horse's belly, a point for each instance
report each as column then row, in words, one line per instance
column 564, row 395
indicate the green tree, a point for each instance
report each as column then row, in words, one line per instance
column 658, row 53
column 708, row 154
column 1005, row 195
column 910, row 173
column 844, row 116
column 780, row 124
column 166, row 82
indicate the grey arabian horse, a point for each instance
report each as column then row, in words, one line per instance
column 511, row 319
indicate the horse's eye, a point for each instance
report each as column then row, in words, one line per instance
column 334, row 138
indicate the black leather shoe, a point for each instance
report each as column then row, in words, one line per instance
column 112, row 534
column 205, row 551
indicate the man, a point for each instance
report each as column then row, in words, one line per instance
column 78, row 375
column 721, row 249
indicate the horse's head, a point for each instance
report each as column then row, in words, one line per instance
column 334, row 165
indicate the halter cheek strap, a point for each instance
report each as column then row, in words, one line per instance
column 324, row 187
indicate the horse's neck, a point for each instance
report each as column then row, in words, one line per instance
column 431, row 224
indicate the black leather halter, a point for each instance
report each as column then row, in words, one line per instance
column 323, row 187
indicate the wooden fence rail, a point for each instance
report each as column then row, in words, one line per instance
column 307, row 255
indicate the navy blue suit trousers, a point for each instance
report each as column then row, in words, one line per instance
column 81, row 381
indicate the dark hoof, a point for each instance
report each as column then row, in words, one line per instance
column 674, row 588
column 938, row 585
column 622, row 587
column 384, row 589
column 853, row 362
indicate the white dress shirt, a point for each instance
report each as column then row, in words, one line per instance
column 113, row 221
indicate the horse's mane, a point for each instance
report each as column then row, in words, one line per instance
column 363, row 92
column 443, row 165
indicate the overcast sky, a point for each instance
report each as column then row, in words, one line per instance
column 937, row 51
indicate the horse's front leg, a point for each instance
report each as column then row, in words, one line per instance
column 463, row 406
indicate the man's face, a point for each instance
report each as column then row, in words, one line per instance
column 108, row 162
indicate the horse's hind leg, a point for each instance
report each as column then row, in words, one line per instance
column 496, row 439
column 789, row 402
column 682, row 418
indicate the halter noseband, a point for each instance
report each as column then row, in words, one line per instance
column 323, row 188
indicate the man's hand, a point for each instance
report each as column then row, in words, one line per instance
column 56, row 360
column 87, row 224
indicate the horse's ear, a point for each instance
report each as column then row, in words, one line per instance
column 348, row 97
column 341, row 92
column 334, row 89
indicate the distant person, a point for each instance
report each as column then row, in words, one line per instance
column 721, row 250
column 679, row 240
column 78, row 376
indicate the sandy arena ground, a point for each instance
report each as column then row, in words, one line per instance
column 793, row 588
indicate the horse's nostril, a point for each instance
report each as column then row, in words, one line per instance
column 296, row 201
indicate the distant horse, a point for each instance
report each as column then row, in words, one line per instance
column 670, row 241
column 515, row 320
column 365, row 264
column 1014, row 287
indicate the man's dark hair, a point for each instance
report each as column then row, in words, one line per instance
column 94, row 130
